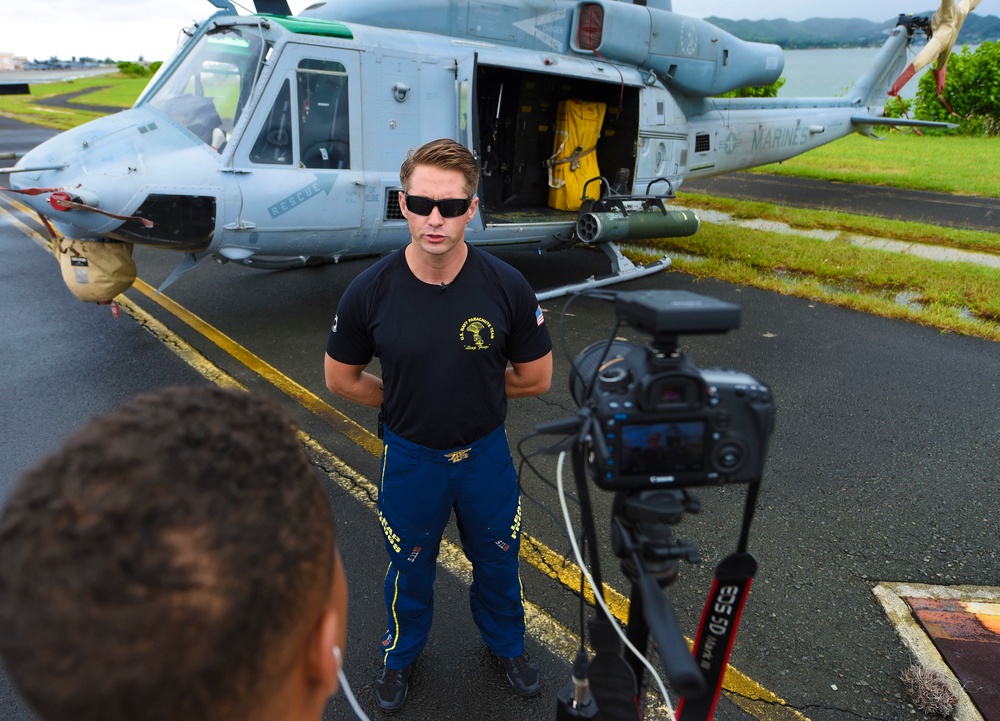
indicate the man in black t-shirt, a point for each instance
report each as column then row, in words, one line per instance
column 445, row 319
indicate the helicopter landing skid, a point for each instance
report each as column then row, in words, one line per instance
column 622, row 269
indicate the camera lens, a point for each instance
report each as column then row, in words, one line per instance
column 597, row 355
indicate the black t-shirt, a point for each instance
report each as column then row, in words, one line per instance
column 443, row 350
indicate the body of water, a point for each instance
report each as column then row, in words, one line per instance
column 830, row 72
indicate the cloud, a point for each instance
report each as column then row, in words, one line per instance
column 127, row 29
column 119, row 29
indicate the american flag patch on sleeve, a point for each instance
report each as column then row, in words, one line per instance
column 539, row 318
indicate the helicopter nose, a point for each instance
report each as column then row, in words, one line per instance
column 85, row 200
column 121, row 175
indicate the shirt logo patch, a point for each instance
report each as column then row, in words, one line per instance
column 333, row 328
column 458, row 456
column 476, row 334
column 539, row 318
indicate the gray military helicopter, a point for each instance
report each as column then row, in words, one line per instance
column 274, row 141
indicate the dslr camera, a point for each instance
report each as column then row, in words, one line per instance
column 661, row 422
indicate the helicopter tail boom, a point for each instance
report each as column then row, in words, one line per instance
column 872, row 88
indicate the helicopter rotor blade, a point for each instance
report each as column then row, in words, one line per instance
column 272, row 7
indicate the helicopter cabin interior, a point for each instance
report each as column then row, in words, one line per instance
column 517, row 123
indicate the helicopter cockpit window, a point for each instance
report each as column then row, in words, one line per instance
column 207, row 91
column 324, row 130
column 274, row 144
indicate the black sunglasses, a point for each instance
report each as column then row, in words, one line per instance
column 449, row 208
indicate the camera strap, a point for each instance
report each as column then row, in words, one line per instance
column 720, row 618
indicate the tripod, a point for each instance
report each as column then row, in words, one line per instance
column 642, row 537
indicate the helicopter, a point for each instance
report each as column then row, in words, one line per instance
column 274, row 140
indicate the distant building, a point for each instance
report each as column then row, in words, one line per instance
column 10, row 61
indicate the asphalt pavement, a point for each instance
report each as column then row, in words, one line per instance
column 18, row 137
column 883, row 467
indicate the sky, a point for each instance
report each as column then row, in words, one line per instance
column 128, row 29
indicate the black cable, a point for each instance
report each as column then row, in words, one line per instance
column 555, row 447
column 520, row 473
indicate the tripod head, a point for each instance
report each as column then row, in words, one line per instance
column 642, row 533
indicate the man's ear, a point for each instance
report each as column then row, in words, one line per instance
column 324, row 664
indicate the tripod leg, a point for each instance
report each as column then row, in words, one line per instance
column 638, row 634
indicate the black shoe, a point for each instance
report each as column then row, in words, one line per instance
column 523, row 674
column 391, row 685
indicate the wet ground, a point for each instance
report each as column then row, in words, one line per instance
column 881, row 477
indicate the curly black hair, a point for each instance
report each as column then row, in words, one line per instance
column 155, row 566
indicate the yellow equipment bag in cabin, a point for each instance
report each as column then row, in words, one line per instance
column 574, row 160
column 96, row 271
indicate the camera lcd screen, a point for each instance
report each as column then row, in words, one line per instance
column 662, row 448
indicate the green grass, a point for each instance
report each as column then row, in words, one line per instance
column 121, row 92
column 952, row 296
column 805, row 219
column 903, row 159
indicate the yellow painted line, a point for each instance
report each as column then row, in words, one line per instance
column 42, row 240
column 533, row 550
column 301, row 394
column 186, row 352
column 561, row 569
column 559, row 639
column 745, row 692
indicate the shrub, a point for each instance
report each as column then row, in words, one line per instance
column 972, row 90
column 761, row 91
column 134, row 70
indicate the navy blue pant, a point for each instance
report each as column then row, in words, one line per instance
column 418, row 489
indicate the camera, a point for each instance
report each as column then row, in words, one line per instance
column 649, row 426
column 661, row 422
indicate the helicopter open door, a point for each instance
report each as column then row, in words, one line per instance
column 468, row 120
column 467, row 127
column 298, row 171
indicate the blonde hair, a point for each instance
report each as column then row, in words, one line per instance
column 446, row 154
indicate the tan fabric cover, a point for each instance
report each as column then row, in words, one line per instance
column 945, row 24
column 96, row 271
